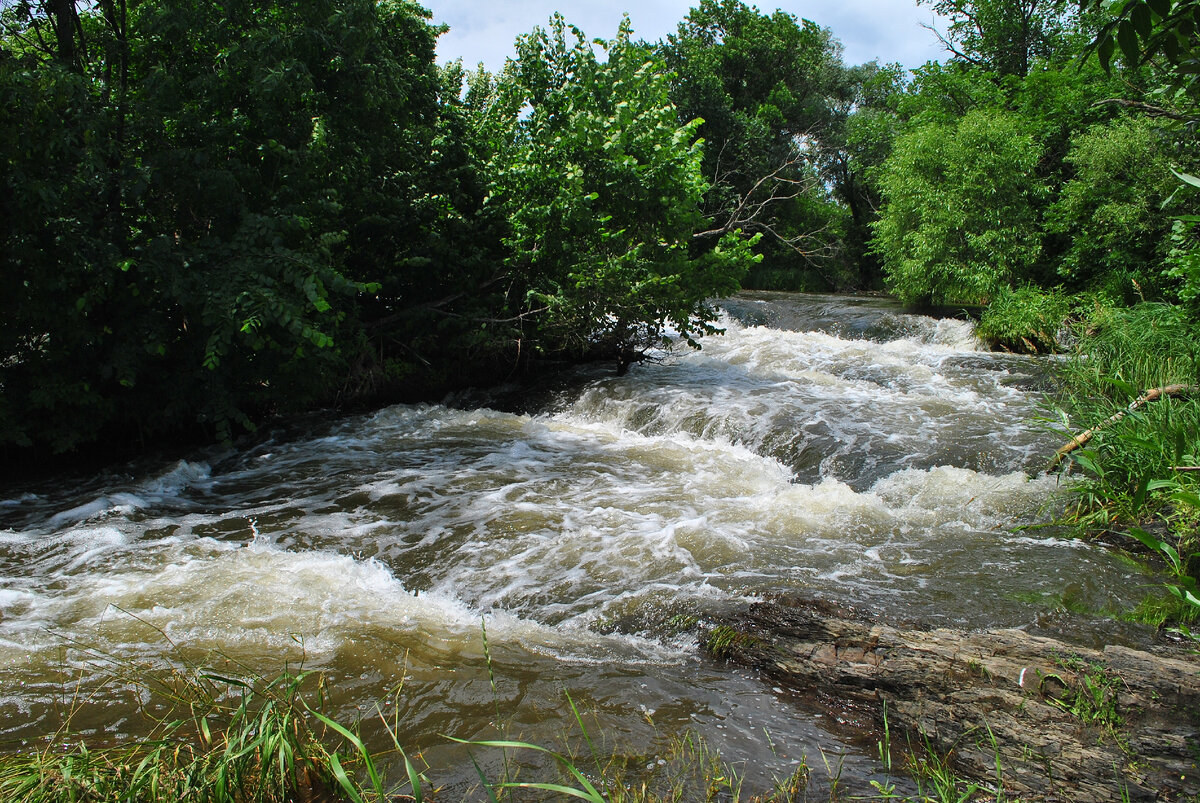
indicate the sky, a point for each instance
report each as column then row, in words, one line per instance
column 484, row 30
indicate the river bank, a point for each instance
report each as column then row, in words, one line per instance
column 1034, row 718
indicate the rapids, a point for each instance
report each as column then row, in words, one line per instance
column 837, row 447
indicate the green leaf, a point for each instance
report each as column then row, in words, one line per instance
column 364, row 755
column 339, row 774
column 1122, row 385
column 1104, row 51
column 1085, row 460
column 1127, row 38
column 589, row 791
column 1185, row 595
column 1139, row 493
column 1158, row 485
column 1172, row 556
column 1186, row 178
column 1142, row 21
column 1160, row 7
column 1186, row 497
column 593, row 796
column 1148, row 540
column 236, row 683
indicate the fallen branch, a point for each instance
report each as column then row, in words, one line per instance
column 1083, row 437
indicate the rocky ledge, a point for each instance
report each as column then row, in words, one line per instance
column 1066, row 723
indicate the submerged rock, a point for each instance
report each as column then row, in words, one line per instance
column 1065, row 723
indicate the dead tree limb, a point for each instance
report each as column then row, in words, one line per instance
column 1146, row 108
column 1141, row 401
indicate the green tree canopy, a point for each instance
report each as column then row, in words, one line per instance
column 761, row 84
column 1006, row 37
column 961, row 217
column 1112, row 209
column 602, row 189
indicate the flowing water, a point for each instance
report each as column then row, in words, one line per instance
column 834, row 447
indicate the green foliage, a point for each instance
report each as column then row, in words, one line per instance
column 1062, row 102
column 853, row 142
column 601, row 188
column 1015, row 61
column 1025, row 320
column 187, row 212
column 724, row 641
column 760, row 84
column 60, row 271
column 1128, row 472
column 1148, row 30
column 960, row 221
column 1093, row 697
column 1183, row 258
column 1005, row 36
column 1179, row 561
column 945, row 93
column 1112, row 208
column 754, row 80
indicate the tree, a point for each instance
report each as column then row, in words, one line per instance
column 1005, row 37
column 196, row 216
column 1111, row 210
column 960, row 219
column 760, row 84
column 602, row 188
column 853, row 143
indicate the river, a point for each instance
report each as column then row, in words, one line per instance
column 836, row 447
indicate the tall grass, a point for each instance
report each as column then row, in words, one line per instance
column 1137, row 474
column 1120, row 354
column 224, row 740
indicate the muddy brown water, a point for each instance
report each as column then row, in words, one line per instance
column 837, row 447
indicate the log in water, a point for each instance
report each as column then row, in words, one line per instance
column 837, row 447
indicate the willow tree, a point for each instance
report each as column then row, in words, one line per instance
column 960, row 219
column 602, row 189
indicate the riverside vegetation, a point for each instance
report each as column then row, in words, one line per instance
column 219, row 213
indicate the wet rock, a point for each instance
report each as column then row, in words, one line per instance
column 1066, row 723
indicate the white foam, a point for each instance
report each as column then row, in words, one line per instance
column 771, row 460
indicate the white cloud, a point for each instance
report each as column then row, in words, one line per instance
column 889, row 30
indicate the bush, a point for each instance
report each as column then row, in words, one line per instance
column 961, row 219
column 1026, row 320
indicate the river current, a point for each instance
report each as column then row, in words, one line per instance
column 838, row 448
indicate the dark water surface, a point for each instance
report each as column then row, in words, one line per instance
column 831, row 446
